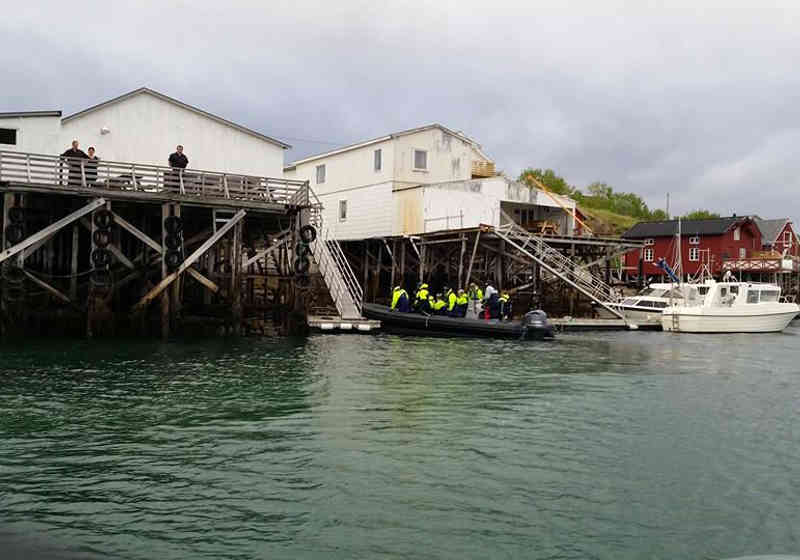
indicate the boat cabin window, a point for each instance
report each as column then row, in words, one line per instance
column 734, row 289
column 752, row 296
column 659, row 304
column 674, row 293
column 769, row 295
column 629, row 301
column 702, row 290
column 723, row 291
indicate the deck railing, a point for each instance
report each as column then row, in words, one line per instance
column 78, row 173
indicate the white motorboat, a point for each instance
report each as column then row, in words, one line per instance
column 645, row 308
column 730, row 307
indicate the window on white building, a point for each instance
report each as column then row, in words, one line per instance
column 742, row 253
column 648, row 255
column 378, row 161
column 320, row 174
column 8, row 136
column 695, row 240
column 694, row 254
column 649, row 241
column 342, row 210
column 737, row 234
column 420, row 159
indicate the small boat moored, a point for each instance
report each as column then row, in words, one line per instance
column 731, row 307
column 534, row 324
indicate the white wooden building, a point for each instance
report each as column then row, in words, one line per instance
column 417, row 181
column 144, row 126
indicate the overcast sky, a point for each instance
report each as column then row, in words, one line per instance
column 698, row 99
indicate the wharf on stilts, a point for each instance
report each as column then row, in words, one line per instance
column 115, row 247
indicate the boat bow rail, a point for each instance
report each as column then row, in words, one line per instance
column 55, row 173
column 535, row 248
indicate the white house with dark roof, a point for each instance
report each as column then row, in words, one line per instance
column 425, row 179
column 144, row 126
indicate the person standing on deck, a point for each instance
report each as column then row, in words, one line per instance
column 504, row 312
column 177, row 161
column 400, row 300
column 491, row 304
column 74, row 155
column 91, row 167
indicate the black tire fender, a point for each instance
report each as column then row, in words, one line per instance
column 173, row 259
column 173, row 225
column 173, row 242
column 101, row 257
column 308, row 233
column 101, row 238
column 16, row 214
column 301, row 249
column 103, row 218
column 301, row 265
column 15, row 233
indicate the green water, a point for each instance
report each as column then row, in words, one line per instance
column 617, row 445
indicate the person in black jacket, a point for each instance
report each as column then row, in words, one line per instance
column 177, row 160
column 91, row 167
column 74, row 155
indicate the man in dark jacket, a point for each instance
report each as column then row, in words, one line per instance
column 74, row 155
column 177, row 160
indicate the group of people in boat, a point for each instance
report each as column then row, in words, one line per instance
column 488, row 304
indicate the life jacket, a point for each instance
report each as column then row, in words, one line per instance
column 422, row 293
column 396, row 295
column 451, row 300
column 438, row 305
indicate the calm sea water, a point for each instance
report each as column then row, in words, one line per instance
column 614, row 445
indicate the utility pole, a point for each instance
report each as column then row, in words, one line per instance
column 668, row 206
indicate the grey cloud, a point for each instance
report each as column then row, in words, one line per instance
column 695, row 100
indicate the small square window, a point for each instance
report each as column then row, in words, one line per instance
column 320, row 174
column 737, row 234
column 648, row 255
column 695, row 240
column 650, row 241
column 420, row 159
column 742, row 253
column 378, row 162
column 342, row 210
column 8, row 136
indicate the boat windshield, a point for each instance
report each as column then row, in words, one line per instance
column 652, row 292
column 769, row 295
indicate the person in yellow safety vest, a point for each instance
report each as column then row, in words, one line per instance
column 461, row 304
column 505, row 306
column 475, row 293
column 450, row 299
column 400, row 300
column 439, row 306
column 421, row 304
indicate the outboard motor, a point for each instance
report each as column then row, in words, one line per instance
column 536, row 325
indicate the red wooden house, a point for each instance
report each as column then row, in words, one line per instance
column 703, row 242
column 779, row 236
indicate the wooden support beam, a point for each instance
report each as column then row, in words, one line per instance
column 461, row 260
column 236, row 283
column 194, row 273
column 120, row 256
column 137, row 233
column 46, row 286
column 51, row 229
column 73, row 280
column 152, row 294
column 472, row 258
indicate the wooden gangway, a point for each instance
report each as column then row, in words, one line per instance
column 30, row 172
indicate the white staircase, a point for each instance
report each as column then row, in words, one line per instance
column 334, row 268
column 535, row 248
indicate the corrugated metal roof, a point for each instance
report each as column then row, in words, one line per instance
column 715, row 226
column 179, row 104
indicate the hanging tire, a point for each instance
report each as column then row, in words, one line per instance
column 101, row 238
column 16, row 215
column 173, row 242
column 13, row 274
column 301, row 249
column 100, row 278
column 308, row 233
column 101, row 257
column 14, row 293
column 103, row 218
column 303, row 281
column 15, row 233
column 173, row 225
column 173, row 259
column 301, row 265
